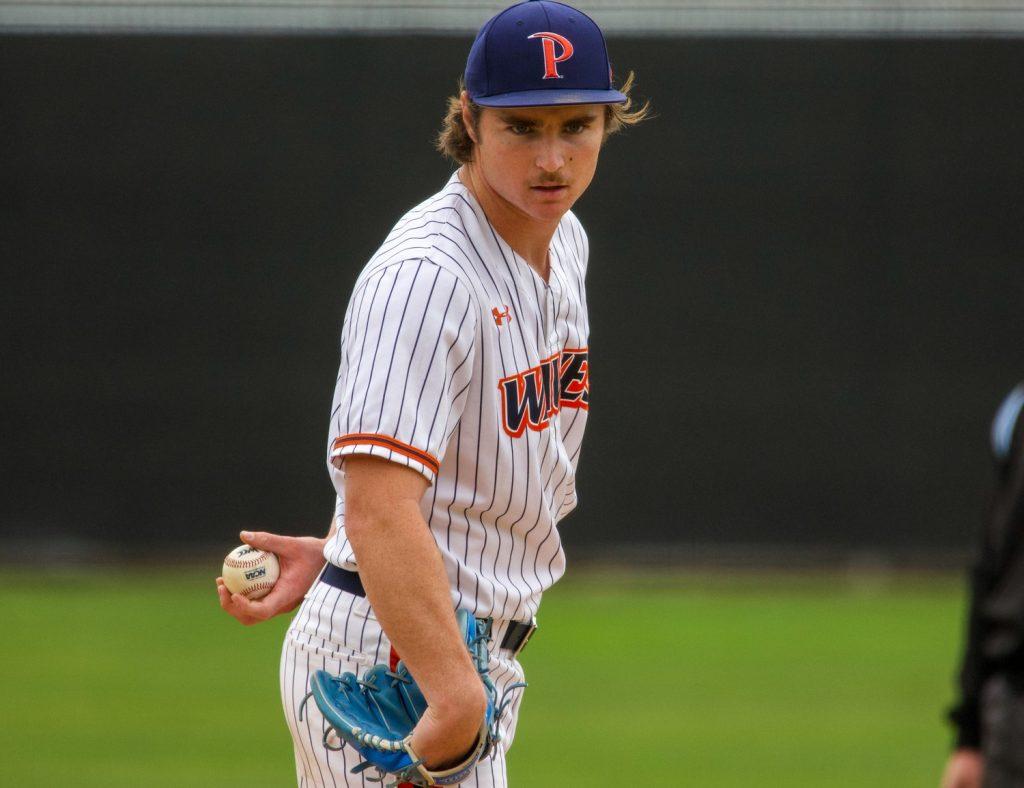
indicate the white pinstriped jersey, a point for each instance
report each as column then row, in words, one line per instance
column 459, row 361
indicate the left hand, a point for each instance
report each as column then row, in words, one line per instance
column 444, row 740
column 964, row 769
column 301, row 559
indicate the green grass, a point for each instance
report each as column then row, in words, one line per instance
column 136, row 678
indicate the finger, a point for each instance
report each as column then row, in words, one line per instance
column 241, row 605
column 223, row 597
column 229, row 606
column 261, row 609
column 245, row 617
column 262, row 540
column 266, row 607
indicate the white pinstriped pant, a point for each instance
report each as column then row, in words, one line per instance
column 336, row 631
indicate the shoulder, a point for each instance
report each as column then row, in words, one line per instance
column 572, row 227
column 438, row 209
column 415, row 230
column 423, row 275
column 574, row 243
column 423, row 237
column 1006, row 426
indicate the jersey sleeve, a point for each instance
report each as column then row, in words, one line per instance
column 407, row 356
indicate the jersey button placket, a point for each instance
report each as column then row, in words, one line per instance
column 553, row 299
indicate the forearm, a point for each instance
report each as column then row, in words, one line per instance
column 403, row 574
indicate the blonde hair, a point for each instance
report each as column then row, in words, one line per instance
column 453, row 139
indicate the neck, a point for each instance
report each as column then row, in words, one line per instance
column 526, row 235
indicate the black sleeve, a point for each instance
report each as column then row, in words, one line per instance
column 974, row 669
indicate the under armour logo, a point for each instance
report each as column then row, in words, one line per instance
column 551, row 60
column 499, row 316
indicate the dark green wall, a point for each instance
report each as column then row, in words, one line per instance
column 806, row 282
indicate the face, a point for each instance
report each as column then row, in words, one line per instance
column 539, row 159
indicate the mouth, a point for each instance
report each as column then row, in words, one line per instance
column 550, row 188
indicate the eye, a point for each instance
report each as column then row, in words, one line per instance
column 519, row 129
column 576, row 126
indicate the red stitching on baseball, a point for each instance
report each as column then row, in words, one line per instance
column 237, row 563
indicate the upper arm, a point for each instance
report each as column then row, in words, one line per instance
column 376, row 488
column 407, row 358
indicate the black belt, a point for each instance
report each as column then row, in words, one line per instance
column 343, row 579
column 516, row 636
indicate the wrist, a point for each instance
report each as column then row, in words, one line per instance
column 465, row 702
column 459, row 757
column 445, row 746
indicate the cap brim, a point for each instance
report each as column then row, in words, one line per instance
column 552, row 98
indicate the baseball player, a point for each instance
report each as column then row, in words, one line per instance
column 460, row 405
column 989, row 716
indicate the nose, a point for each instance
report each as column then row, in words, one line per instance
column 549, row 157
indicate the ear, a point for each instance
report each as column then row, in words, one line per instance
column 467, row 117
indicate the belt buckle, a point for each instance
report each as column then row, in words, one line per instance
column 526, row 638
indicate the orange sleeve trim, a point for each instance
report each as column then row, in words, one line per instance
column 387, row 442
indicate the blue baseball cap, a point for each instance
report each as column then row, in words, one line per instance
column 540, row 53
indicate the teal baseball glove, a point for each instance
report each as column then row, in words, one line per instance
column 376, row 714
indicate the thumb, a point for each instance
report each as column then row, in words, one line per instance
column 262, row 540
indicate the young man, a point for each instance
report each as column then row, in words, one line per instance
column 989, row 716
column 460, row 403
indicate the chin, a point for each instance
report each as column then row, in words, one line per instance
column 547, row 210
column 549, row 213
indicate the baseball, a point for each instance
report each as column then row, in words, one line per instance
column 250, row 571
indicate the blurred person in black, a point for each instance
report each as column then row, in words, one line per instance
column 989, row 716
